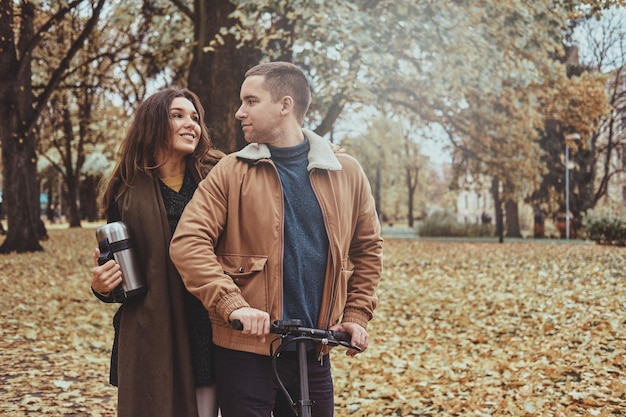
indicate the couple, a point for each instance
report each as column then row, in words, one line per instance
column 283, row 229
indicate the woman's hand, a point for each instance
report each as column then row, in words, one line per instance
column 105, row 277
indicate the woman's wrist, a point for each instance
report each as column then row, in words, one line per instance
column 104, row 294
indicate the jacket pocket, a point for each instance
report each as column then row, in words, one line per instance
column 250, row 275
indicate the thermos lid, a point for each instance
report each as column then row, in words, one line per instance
column 114, row 231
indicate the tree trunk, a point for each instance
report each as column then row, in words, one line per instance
column 412, row 174
column 19, row 111
column 70, row 176
column 21, row 193
column 411, row 219
column 497, row 203
column 539, row 225
column 216, row 76
column 378, row 192
column 512, row 214
column 512, row 219
column 20, row 188
column 72, row 201
column 89, row 198
column 331, row 116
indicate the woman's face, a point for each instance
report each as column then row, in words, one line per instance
column 184, row 120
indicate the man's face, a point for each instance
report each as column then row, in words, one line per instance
column 260, row 117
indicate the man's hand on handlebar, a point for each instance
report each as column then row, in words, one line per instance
column 359, row 335
column 255, row 322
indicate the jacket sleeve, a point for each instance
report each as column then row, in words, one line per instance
column 103, row 298
column 193, row 245
column 366, row 253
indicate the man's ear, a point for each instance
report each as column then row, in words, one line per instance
column 287, row 103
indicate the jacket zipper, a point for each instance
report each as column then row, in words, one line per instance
column 333, row 285
column 282, row 241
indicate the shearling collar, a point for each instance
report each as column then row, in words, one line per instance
column 321, row 155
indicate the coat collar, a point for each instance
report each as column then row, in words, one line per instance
column 321, row 155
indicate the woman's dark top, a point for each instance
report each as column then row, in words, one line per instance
column 199, row 325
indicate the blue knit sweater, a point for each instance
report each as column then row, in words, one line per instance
column 305, row 239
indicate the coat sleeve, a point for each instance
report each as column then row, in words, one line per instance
column 193, row 245
column 366, row 253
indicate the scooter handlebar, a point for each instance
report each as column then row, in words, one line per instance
column 292, row 327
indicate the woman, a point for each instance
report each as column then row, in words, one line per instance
column 162, row 353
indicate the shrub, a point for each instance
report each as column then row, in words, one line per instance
column 606, row 229
column 444, row 224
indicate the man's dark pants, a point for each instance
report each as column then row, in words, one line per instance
column 246, row 385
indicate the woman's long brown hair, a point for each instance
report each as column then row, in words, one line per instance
column 149, row 136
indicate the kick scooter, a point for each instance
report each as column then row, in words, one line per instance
column 293, row 332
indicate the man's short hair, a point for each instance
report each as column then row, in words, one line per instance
column 285, row 79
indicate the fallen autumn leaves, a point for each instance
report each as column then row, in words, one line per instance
column 462, row 329
column 467, row 329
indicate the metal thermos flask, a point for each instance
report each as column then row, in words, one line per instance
column 115, row 242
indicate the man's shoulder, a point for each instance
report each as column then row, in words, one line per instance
column 348, row 162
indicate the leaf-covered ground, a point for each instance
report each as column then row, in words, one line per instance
column 462, row 329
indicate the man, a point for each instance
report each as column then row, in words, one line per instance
column 283, row 229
